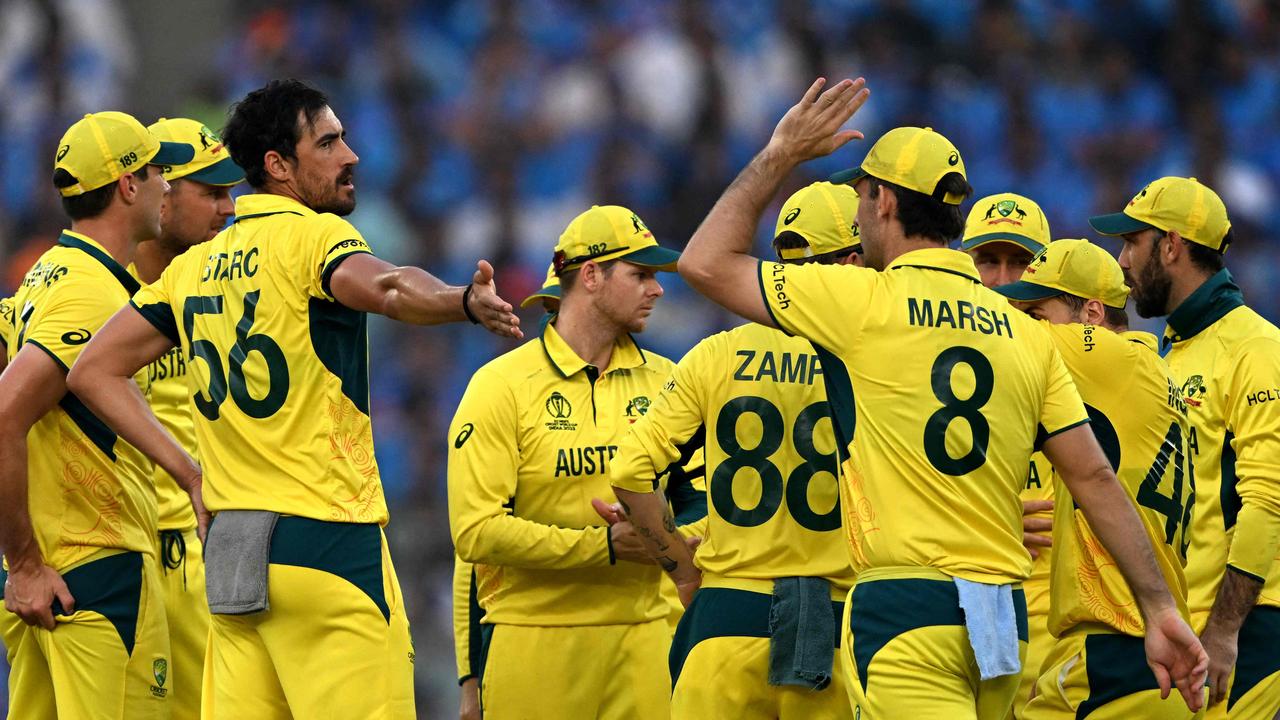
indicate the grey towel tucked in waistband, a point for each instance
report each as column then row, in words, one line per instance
column 236, row 553
column 992, row 623
column 802, row 633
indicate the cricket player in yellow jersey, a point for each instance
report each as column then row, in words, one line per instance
column 921, row 362
column 6, row 329
column 575, row 623
column 307, row 615
column 1002, row 234
column 77, row 509
column 1227, row 359
column 1095, row 668
column 772, row 545
column 196, row 207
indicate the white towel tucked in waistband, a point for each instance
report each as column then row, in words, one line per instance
column 993, row 628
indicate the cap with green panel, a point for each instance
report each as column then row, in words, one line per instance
column 101, row 147
column 1071, row 267
column 1009, row 218
column 211, row 164
column 1173, row 204
column 914, row 158
column 824, row 215
column 610, row 232
column 550, row 289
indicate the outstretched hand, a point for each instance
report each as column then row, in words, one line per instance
column 495, row 314
column 1176, row 657
column 811, row 128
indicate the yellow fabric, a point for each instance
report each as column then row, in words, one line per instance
column 925, row 672
column 276, row 369
column 1006, row 217
column 728, row 677
column 322, row 650
column 6, row 321
column 902, row 354
column 462, row 619
column 1185, row 206
column 87, row 489
column 610, row 672
column 1065, row 686
column 187, row 610
column 1040, row 484
column 82, row 670
column 530, row 446
column 171, row 404
column 606, row 232
column 1137, row 411
column 1078, row 267
column 915, row 158
column 1261, row 702
column 550, row 289
column 101, row 147
column 825, row 215
column 755, row 392
column 1219, row 369
column 209, row 149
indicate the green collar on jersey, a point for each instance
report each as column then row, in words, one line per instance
column 626, row 353
column 1218, row 296
column 88, row 246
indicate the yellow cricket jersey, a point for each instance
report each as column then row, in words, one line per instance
column 276, row 369
column 940, row 391
column 1039, row 487
column 1227, row 359
column 466, row 621
column 88, row 490
column 6, row 322
column 758, row 397
column 530, row 446
column 1137, row 413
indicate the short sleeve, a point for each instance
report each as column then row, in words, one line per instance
column 64, row 320
column 152, row 302
column 825, row 304
column 329, row 241
column 1062, row 409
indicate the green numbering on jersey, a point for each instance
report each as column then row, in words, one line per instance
column 1174, row 507
column 756, row 458
column 277, row 368
column 969, row 410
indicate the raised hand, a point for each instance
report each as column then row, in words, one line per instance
column 1176, row 657
column 811, row 128
column 486, row 306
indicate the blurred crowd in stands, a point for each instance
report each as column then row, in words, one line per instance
column 484, row 126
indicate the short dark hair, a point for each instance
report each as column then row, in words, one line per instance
column 1116, row 317
column 792, row 240
column 94, row 202
column 267, row 119
column 570, row 278
column 1205, row 257
column 928, row 215
column 1075, row 302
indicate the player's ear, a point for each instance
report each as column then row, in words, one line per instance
column 276, row 166
column 1093, row 312
column 127, row 187
column 1172, row 249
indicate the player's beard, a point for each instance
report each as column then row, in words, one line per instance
column 327, row 196
column 1151, row 291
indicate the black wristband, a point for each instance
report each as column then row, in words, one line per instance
column 466, row 309
column 608, row 540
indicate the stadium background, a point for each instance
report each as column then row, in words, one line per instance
column 484, row 126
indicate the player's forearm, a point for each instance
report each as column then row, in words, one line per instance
column 413, row 295
column 120, row 404
column 1116, row 523
column 1236, row 597
column 17, row 538
column 652, row 519
column 724, row 237
column 517, row 542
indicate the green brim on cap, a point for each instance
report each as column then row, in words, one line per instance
column 1117, row 224
column 551, row 293
column 1024, row 242
column 171, row 153
column 1025, row 291
column 847, row 177
column 223, row 172
column 653, row 256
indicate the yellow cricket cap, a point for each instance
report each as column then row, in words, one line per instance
column 824, row 215
column 101, row 147
column 914, row 158
column 1006, row 218
column 610, row 232
column 1075, row 267
column 550, row 289
column 212, row 163
column 1172, row 204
